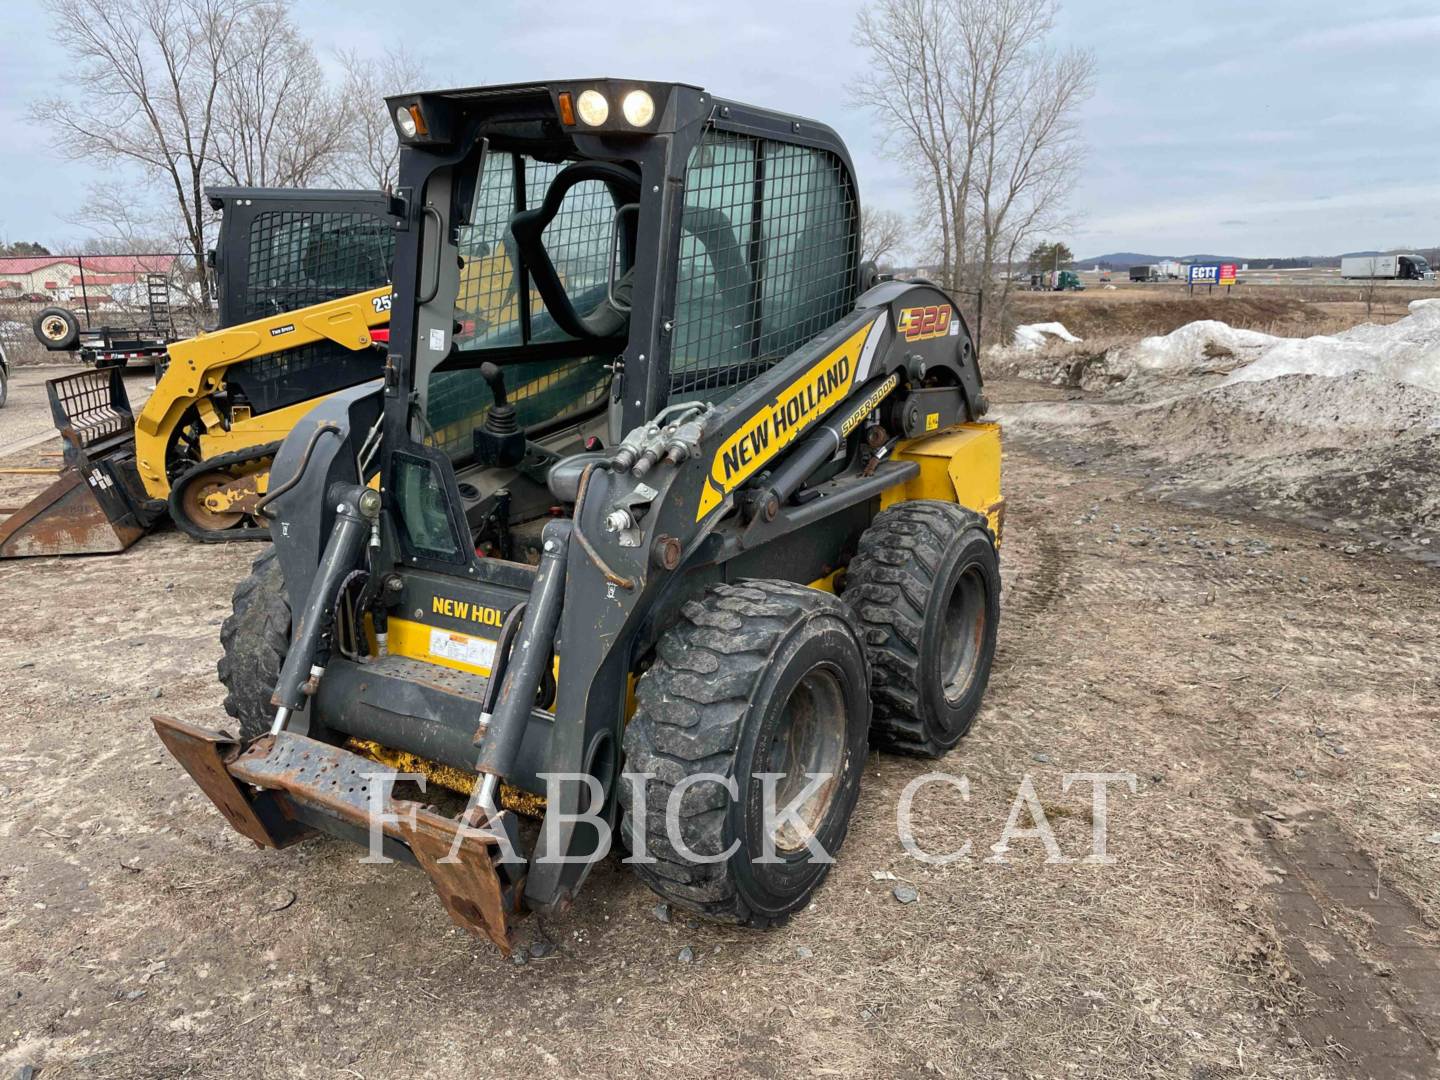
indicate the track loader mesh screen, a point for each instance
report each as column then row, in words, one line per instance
column 298, row 258
column 768, row 259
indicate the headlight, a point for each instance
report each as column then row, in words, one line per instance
column 638, row 107
column 405, row 121
column 593, row 108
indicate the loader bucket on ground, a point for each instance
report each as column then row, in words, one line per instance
column 97, row 504
column 282, row 787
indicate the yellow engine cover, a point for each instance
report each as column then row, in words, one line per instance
column 960, row 465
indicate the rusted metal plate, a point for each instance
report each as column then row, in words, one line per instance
column 353, row 788
column 327, row 777
column 468, row 886
column 67, row 518
column 202, row 753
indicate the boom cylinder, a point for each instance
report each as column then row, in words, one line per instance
column 356, row 507
column 818, row 448
column 530, row 655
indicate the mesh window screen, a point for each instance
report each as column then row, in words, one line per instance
column 299, row 258
column 489, row 309
column 767, row 259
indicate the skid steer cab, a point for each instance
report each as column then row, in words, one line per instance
column 676, row 514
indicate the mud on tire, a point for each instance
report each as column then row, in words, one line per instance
column 925, row 585
column 255, row 639
column 754, row 677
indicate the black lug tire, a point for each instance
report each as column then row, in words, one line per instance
column 255, row 639
column 710, row 704
column 65, row 340
column 910, row 562
column 4, row 386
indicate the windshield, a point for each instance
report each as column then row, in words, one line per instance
column 497, row 308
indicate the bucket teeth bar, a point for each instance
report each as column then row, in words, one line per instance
column 268, row 789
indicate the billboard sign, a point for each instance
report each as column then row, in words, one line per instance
column 1212, row 274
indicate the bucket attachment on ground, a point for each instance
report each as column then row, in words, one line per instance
column 97, row 504
column 282, row 787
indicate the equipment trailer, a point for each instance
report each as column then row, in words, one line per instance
column 697, row 513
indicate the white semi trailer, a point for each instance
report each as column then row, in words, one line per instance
column 1386, row 267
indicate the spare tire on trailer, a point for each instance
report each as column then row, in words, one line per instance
column 254, row 640
column 57, row 328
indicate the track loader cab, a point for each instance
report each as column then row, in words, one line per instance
column 672, row 513
column 300, row 276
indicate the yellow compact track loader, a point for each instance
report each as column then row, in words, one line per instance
column 302, row 281
column 696, row 515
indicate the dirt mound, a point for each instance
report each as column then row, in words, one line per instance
column 1355, row 452
column 1127, row 315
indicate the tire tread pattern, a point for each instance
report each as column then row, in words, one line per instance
column 690, row 709
column 254, row 640
column 888, row 587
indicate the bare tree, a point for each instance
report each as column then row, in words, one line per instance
column 882, row 234
column 983, row 113
column 120, row 224
column 150, row 75
column 277, row 122
column 370, row 156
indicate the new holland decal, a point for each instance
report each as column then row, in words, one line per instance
column 783, row 420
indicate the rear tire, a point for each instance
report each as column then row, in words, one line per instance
column 255, row 639
column 4, row 386
column 925, row 585
column 754, row 677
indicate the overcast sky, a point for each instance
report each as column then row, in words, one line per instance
column 1230, row 127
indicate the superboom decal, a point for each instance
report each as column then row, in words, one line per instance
column 779, row 423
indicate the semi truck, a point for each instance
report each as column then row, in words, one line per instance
column 1144, row 273
column 1386, row 267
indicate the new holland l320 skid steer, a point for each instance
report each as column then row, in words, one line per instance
column 705, row 514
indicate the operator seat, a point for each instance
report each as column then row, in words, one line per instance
column 611, row 316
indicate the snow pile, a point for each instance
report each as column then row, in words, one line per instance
column 1035, row 336
column 1193, row 347
column 1407, row 351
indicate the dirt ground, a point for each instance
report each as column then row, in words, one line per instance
column 1271, row 910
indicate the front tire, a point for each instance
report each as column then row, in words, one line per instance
column 255, row 639
column 754, row 677
column 925, row 585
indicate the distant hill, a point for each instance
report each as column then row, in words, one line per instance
column 1121, row 260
